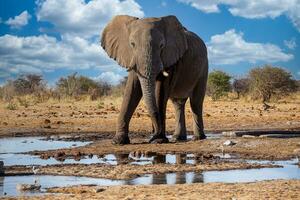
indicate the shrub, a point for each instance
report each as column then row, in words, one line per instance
column 118, row 90
column 24, row 101
column 270, row 81
column 12, row 106
column 241, row 86
column 218, row 84
column 74, row 86
column 28, row 84
column 8, row 91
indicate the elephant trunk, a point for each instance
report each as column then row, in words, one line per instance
column 148, row 89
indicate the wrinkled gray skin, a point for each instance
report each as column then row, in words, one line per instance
column 165, row 61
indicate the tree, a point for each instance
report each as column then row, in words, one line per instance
column 267, row 81
column 241, row 86
column 218, row 84
column 28, row 84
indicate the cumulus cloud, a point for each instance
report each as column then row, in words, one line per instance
column 109, row 77
column 19, row 21
column 84, row 18
column 44, row 53
column 252, row 9
column 231, row 48
column 77, row 22
column 291, row 44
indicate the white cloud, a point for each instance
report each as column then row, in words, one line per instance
column 84, row 18
column 44, row 53
column 19, row 21
column 252, row 9
column 77, row 22
column 109, row 77
column 291, row 44
column 231, row 48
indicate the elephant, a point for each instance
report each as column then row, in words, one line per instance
column 164, row 61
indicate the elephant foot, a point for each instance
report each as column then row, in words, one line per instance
column 179, row 138
column 120, row 139
column 159, row 139
column 199, row 137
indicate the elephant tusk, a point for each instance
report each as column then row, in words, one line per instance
column 166, row 74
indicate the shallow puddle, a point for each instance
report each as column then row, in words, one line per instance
column 134, row 158
column 26, row 144
column 289, row 171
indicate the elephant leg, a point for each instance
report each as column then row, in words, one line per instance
column 161, row 95
column 131, row 98
column 196, row 101
column 180, row 130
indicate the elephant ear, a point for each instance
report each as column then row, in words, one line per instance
column 176, row 42
column 115, row 40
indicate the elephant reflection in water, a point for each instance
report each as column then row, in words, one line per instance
column 177, row 178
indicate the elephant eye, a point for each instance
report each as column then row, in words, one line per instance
column 132, row 44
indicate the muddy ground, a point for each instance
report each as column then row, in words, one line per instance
column 95, row 121
column 280, row 189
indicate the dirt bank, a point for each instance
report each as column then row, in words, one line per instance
column 279, row 189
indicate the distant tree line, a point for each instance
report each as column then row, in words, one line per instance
column 260, row 83
column 74, row 86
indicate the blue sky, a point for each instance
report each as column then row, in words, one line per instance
column 56, row 37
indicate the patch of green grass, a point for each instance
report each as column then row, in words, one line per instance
column 12, row 106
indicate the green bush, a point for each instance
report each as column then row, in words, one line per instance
column 218, row 84
column 268, row 81
column 11, row 106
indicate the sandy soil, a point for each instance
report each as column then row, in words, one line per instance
column 100, row 116
column 280, row 189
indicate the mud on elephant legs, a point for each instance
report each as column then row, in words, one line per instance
column 180, row 130
column 196, row 101
column 131, row 98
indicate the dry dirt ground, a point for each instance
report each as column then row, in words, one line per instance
column 280, row 189
column 87, row 120
column 100, row 116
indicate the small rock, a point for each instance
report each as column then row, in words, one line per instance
column 229, row 133
column 264, row 136
column 97, row 190
column 5, row 123
column 248, row 136
column 229, row 143
column 47, row 121
column 207, row 115
column 28, row 187
column 47, row 126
